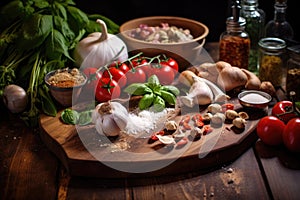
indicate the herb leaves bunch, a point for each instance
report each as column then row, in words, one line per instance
column 36, row 37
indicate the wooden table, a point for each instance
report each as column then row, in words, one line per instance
column 28, row 170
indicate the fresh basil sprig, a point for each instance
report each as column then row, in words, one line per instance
column 154, row 94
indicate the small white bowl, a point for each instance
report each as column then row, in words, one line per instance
column 254, row 99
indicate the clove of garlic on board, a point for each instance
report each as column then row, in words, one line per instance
column 214, row 108
column 231, row 114
column 171, row 125
column 239, row 123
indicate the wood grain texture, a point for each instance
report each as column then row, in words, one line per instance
column 281, row 169
column 82, row 149
column 28, row 168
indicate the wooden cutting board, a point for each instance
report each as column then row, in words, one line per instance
column 89, row 154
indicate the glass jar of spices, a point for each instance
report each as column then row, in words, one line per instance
column 234, row 45
column 272, row 60
column 293, row 71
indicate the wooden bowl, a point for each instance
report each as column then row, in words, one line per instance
column 184, row 52
column 65, row 96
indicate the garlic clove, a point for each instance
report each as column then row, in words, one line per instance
column 218, row 119
column 239, row 123
column 171, row 125
column 231, row 114
column 110, row 127
column 243, row 115
column 214, row 108
column 166, row 139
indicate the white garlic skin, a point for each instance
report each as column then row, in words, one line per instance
column 231, row 114
column 214, row 108
column 239, row 123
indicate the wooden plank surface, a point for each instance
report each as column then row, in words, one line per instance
column 281, row 169
column 69, row 143
column 27, row 168
column 238, row 180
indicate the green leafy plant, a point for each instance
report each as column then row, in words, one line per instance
column 37, row 36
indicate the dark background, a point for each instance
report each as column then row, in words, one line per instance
column 212, row 13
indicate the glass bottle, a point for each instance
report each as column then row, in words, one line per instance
column 279, row 27
column 293, row 71
column 234, row 44
column 272, row 60
column 255, row 22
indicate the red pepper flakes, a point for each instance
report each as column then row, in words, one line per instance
column 197, row 117
column 227, row 106
column 185, row 119
column 186, row 126
column 207, row 129
column 199, row 124
column 154, row 137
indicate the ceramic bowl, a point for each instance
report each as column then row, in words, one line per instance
column 65, row 96
column 183, row 52
column 254, row 99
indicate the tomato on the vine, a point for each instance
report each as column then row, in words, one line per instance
column 93, row 76
column 117, row 75
column 120, row 65
column 138, row 61
column 107, row 89
column 291, row 135
column 269, row 129
column 136, row 75
column 164, row 73
column 171, row 62
column 284, row 111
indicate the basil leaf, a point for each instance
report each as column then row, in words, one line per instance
column 57, row 46
column 112, row 27
column 137, row 89
column 159, row 104
column 63, row 26
column 170, row 88
column 146, row 101
column 60, row 9
column 168, row 97
column 69, row 116
column 153, row 81
column 77, row 18
column 34, row 31
column 48, row 105
column 85, row 118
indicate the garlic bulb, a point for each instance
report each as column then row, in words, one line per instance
column 15, row 98
column 99, row 49
column 110, row 118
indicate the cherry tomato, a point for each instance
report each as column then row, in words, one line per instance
column 171, row 62
column 107, row 89
column 291, row 135
column 138, row 61
column 270, row 129
column 117, row 75
column 121, row 66
column 135, row 75
column 93, row 76
column 281, row 110
column 164, row 73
